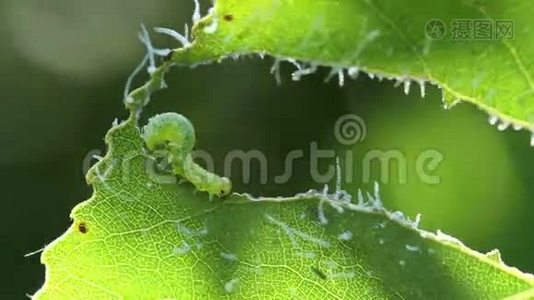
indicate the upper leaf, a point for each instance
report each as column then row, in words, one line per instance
column 447, row 43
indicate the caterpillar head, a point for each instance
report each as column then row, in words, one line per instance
column 225, row 187
column 170, row 131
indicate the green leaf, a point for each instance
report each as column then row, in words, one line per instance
column 137, row 238
column 387, row 39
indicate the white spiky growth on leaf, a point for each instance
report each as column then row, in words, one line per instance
column 183, row 39
column 451, row 105
column 295, row 63
column 186, row 32
column 341, row 77
column 212, row 28
column 132, row 76
column 503, row 125
column 340, row 72
column 174, row 34
column 307, row 68
column 275, row 70
column 35, row 252
column 145, row 39
column 353, row 72
column 340, row 200
column 422, row 87
column 196, row 12
column 303, row 71
column 407, row 86
column 493, row 119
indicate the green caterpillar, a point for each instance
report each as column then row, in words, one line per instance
column 175, row 134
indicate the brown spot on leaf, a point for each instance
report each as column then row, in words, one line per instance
column 228, row 18
column 82, row 227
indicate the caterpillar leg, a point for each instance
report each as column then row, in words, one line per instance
column 205, row 180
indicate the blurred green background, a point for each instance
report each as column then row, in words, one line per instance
column 64, row 65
